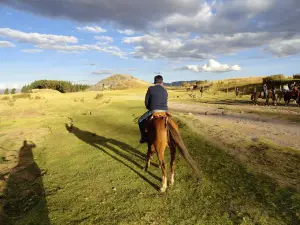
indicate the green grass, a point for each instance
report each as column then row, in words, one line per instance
column 93, row 174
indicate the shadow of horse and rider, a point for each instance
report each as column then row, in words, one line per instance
column 123, row 153
column 163, row 132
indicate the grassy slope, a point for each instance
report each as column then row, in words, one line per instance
column 93, row 175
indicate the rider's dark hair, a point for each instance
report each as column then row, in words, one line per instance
column 158, row 79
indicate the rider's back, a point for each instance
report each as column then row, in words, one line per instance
column 157, row 98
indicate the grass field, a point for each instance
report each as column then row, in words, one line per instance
column 92, row 174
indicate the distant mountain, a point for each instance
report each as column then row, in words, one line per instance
column 120, row 81
column 178, row 83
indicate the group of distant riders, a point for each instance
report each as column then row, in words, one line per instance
column 288, row 92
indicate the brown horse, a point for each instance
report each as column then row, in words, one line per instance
column 163, row 132
column 288, row 95
column 270, row 95
column 192, row 87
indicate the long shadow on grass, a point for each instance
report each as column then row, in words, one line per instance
column 241, row 186
column 132, row 155
column 24, row 194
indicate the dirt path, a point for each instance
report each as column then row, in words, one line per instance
column 232, row 128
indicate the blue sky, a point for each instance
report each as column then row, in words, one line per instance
column 198, row 40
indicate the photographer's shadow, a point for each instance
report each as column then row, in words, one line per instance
column 25, row 192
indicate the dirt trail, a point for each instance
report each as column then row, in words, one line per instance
column 232, row 128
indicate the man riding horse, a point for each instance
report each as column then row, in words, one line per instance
column 162, row 132
column 156, row 100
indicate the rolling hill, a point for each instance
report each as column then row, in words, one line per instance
column 120, row 81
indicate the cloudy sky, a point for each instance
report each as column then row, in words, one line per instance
column 88, row 40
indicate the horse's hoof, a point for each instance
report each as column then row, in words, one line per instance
column 163, row 189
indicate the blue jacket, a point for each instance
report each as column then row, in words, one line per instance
column 156, row 98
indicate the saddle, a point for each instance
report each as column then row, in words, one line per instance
column 157, row 115
column 160, row 114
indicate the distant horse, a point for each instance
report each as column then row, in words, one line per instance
column 270, row 95
column 163, row 132
column 192, row 87
column 294, row 94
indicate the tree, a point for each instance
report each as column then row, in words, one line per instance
column 296, row 76
column 6, row 92
column 13, row 91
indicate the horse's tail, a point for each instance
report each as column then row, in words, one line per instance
column 175, row 136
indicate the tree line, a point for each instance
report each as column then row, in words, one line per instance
column 198, row 83
column 280, row 79
column 12, row 91
column 58, row 85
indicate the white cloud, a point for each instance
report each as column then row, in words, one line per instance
column 165, row 45
column 113, row 50
column 127, row 32
column 104, row 40
column 103, row 72
column 94, row 29
column 68, row 52
column 36, row 38
column 223, row 27
column 32, row 50
column 285, row 47
column 153, row 46
column 6, row 44
column 211, row 66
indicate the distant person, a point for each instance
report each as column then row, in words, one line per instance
column 236, row 91
column 273, row 90
column 201, row 91
column 265, row 90
column 285, row 88
column 293, row 85
column 156, row 100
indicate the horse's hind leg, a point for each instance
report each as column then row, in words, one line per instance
column 173, row 154
column 160, row 153
column 150, row 152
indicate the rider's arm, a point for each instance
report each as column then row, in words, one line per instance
column 147, row 99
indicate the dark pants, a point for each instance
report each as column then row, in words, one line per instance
column 142, row 120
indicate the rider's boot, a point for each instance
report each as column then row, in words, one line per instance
column 144, row 135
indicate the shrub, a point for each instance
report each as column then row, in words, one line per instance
column 24, row 95
column 99, row 96
column 11, row 103
column 5, row 98
column 13, row 91
column 6, row 92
